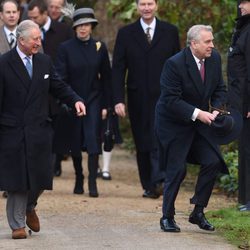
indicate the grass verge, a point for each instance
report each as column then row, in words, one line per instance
column 233, row 225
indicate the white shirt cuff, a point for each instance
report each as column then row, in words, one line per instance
column 195, row 114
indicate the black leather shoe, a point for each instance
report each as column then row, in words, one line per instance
column 169, row 225
column 150, row 194
column 200, row 220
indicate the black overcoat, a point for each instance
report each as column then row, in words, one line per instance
column 182, row 90
column 143, row 64
column 57, row 34
column 86, row 68
column 238, row 66
column 25, row 130
column 239, row 97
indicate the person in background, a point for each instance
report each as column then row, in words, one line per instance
column 9, row 14
column 238, row 72
column 191, row 81
column 55, row 9
column 61, row 11
column 140, row 51
column 26, row 79
column 84, row 63
column 53, row 32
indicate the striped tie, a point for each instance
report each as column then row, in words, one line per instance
column 148, row 35
column 12, row 41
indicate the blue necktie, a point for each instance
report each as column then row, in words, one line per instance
column 28, row 66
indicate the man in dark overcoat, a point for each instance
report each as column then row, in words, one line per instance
column 239, row 95
column 140, row 51
column 182, row 123
column 26, row 79
column 53, row 32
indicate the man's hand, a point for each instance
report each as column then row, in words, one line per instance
column 104, row 114
column 120, row 109
column 248, row 114
column 80, row 109
column 207, row 117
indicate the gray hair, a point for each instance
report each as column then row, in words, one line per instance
column 24, row 28
column 194, row 32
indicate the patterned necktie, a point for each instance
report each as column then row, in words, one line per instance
column 202, row 69
column 12, row 40
column 28, row 66
column 148, row 35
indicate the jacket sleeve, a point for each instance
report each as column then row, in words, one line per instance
column 119, row 69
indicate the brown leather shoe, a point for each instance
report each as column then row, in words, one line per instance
column 19, row 234
column 32, row 221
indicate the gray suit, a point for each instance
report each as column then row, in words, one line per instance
column 4, row 43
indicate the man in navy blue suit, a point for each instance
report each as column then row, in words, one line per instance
column 191, row 81
column 140, row 51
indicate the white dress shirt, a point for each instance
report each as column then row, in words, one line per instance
column 151, row 26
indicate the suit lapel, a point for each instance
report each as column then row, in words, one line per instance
column 35, row 78
column 194, row 72
column 157, row 34
column 140, row 36
column 19, row 68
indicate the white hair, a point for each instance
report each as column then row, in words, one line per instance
column 24, row 28
column 194, row 32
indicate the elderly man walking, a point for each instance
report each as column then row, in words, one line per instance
column 26, row 79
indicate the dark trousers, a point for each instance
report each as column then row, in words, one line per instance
column 148, row 168
column 244, row 163
column 210, row 162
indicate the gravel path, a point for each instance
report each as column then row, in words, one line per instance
column 119, row 219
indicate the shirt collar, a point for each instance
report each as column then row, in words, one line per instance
column 197, row 60
column 46, row 26
column 7, row 31
column 22, row 55
column 151, row 25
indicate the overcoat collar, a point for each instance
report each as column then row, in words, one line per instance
column 202, row 87
column 19, row 68
column 139, row 34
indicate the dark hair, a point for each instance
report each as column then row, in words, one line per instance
column 40, row 4
column 137, row 1
column 8, row 1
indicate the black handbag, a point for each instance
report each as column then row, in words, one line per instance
column 109, row 136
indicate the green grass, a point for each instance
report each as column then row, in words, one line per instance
column 233, row 225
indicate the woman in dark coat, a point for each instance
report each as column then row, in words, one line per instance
column 83, row 63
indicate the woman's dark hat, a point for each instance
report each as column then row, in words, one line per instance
column 84, row 15
column 226, row 127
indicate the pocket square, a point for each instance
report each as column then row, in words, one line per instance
column 46, row 76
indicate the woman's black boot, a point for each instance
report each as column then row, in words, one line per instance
column 57, row 165
column 93, row 166
column 77, row 162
